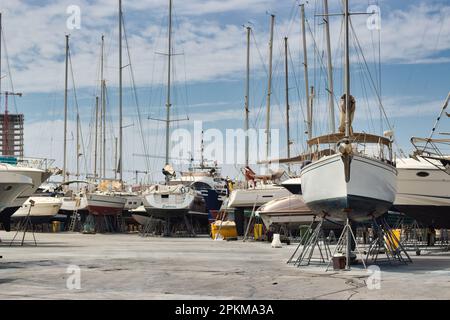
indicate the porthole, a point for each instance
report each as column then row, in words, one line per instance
column 422, row 174
column 7, row 188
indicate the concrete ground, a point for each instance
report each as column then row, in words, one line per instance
column 127, row 266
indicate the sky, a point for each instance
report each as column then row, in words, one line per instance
column 406, row 62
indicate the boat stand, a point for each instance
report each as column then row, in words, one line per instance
column 25, row 225
column 104, row 224
column 314, row 238
column 89, row 225
column 189, row 226
column 302, row 240
column 345, row 242
column 386, row 242
column 148, row 228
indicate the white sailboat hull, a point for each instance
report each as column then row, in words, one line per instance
column 249, row 198
column 173, row 204
column 369, row 193
column 105, row 204
column 74, row 203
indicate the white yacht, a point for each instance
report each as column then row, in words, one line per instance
column 40, row 209
column 423, row 191
column 12, row 183
column 262, row 189
column 32, row 177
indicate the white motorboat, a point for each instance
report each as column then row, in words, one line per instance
column 423, row 191
column 261, row 189
column 256, row 196
column 12, row 184
column 40, row 209
column 290, row 210
column 28, row 179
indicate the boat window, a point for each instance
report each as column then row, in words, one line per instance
column 422, row 174
column 200, row 186
column 7, row 188
column 165, row 196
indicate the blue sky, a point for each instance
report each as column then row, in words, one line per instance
column 209, row 76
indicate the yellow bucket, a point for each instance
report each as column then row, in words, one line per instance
column 56, row 226
column 226, row 229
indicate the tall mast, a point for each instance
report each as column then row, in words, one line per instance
column 96, row 137
column 78, row 146
column 286, row 71
column 66, row 84
column 169, row 70
column 247, row 98
column 120, row 95
column 269, row 86
column 329, row 68
column 305, row 65
column 103, row 107
column 347, row 70
column 115, row 158
column 103, row 142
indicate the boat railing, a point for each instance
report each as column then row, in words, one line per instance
column 37, row 163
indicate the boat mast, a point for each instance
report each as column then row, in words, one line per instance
column 269, row 87
column 120, row 95
column 169, row 70
column 66, row 84
column 78, row 146
column 247, row 98
column 96, row 137
column 286, row 70
column 305, row 65
column 329, row 68
column 347, row 70
column 115, row 158
column 103, row 113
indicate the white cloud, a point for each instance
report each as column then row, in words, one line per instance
column 213, row 49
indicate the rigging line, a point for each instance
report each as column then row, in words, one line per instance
column 301, row 109
column 317, row 51
column 156, row 89
column 369, row 116
column 77, row 108
column 371, row 78
column 364, row 90
column 177, row 23
column 258, row 114
column 133, row 83
column 8, row 65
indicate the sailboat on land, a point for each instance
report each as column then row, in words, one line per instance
column 261, row 188
column 344, row 182
column 173, row 199
column 108, row 198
